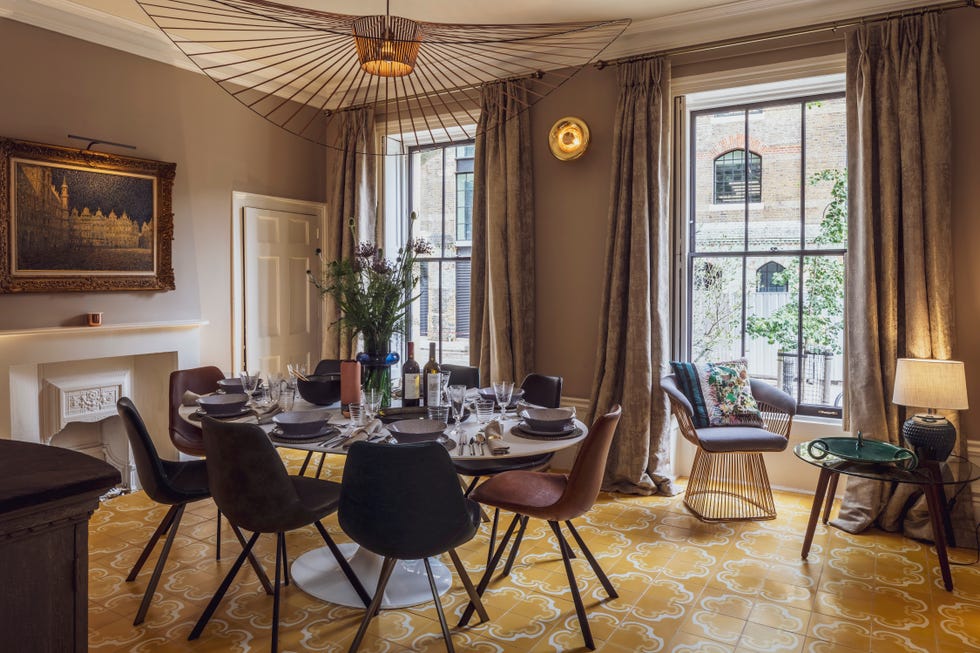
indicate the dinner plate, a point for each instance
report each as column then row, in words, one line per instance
column 328, row 430
column 416, row 428
column 245, row 410
column 524, row 426
column 396, row 414
column 520, row 431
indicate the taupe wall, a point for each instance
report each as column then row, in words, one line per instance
column 55, row 85
column 571, row 202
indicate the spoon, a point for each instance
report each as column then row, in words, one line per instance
column 481, row 440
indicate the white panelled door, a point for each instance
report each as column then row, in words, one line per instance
column 281, row 307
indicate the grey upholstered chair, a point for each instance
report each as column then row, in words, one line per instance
column 728, row 481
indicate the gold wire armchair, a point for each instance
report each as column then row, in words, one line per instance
column 728, row 480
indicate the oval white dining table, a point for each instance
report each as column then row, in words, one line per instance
column 316, row 572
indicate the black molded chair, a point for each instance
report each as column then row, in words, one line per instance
column 540, row 390
column 251, row 486
column 728, row 480
column 463, row 375
column 555, row 498
column 403, row 502
column 171, row 483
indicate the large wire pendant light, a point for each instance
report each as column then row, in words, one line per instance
column 299, row 68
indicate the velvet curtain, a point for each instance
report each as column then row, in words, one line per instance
column 635, row 310
column 899, row 299
column 502, row 272
column 351, row 188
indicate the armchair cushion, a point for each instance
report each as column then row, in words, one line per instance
column 720, row 393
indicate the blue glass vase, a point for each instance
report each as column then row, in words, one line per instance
column 376, row 373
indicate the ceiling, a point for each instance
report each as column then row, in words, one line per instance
column 657, row 24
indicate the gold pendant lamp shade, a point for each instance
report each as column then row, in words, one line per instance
column 387, row 46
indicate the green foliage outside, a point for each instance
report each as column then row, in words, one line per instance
column 823, row 302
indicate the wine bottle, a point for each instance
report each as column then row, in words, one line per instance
column 411, row 383
column 430, row 379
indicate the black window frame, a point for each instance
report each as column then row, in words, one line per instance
column 733, row 164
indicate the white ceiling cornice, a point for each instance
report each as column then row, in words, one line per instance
column 98, row 27
column 685, row 28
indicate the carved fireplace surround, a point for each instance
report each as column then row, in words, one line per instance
column 60, row 385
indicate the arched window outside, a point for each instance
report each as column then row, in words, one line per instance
column 730, row 177
column 769, row 279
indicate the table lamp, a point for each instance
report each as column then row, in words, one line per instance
column 930, row 384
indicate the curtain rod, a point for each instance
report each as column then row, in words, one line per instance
column 792, row 31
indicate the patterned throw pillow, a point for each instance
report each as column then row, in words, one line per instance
column 719, row 392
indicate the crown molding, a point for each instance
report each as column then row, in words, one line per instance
column 97, row 27
column 743, row 18
column 685, row 28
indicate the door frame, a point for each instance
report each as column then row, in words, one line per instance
column 239, row 202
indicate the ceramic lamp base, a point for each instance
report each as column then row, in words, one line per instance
column 931, row 436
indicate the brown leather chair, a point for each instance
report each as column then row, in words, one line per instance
column 554, row 498
column 199, row 380
column 728, row 480
column 186, row 437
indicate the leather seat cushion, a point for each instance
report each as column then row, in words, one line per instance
column 725, row 439
column 527, row 493
column 491, row 467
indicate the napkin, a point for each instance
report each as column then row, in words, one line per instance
column 495, row 440
column 264, row 414
column 189, row 398
column 364, row 432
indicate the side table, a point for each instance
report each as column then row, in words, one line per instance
column 931, row 475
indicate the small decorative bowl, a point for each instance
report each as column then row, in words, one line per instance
column 548, row 419
column 222, row 405
column 300, row 422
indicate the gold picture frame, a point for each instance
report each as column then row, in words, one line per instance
column 81, row 221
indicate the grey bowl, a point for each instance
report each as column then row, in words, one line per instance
column 300, row 422
column 548, row 419
column 222, row 405
column 417, row 430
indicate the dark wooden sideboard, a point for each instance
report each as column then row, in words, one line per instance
column 46, row 497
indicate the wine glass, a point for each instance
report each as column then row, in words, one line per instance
column 503, row 391
column 250, row 383
column 457, row 395
column 372, row 401
column 444, row 388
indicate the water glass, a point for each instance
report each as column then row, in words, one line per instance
column 250, row 383
column 484, row 411
column 274, row 391
column 372, row 401
column 439, row 413
column 287, row 395
column 357, row 415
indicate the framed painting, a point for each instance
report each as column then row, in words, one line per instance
column 77, row 220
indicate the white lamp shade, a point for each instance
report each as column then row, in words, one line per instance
column 927, row 383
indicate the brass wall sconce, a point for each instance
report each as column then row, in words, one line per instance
column 568, row 138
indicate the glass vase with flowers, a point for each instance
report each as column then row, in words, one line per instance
column 373, row 294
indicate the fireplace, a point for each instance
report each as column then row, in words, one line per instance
column 60, row 385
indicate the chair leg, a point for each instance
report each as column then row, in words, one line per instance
column 435, row 597
column 583, row 620
column 485, row 579
column 513, row 549
column 386, row 568
column 151, row 588
column 466, row 492
column 280, row 555
column 343, row 564
column 256, row 566
column 319, row 468
column 464, row 578
column 306, row 463
column 222, row 589
column 217, row 536
column 285, row 562
column 610, row 590
column 165, row 523
column 493, row 534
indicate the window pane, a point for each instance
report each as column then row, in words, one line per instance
column 435, row 315
column 716, row 309
column 772, row 324
column 719, row 218
column 823, row 329
column 427, row 197
column 826, row 173
column 774, row 223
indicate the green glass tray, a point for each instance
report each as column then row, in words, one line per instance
column 863, row 450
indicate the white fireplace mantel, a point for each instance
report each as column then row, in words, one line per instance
column 23, row 351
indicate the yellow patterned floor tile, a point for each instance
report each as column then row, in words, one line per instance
column 758, row 638
column 713, row 626
column 839, row 631
column 780, row 617
column 726, row 603
column 688, row 643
